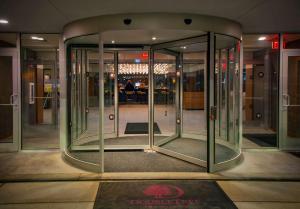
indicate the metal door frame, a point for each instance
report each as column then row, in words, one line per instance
column 283, row 145
column 15, row 100
column 179, row 96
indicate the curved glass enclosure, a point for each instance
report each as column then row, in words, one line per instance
column 153, row 104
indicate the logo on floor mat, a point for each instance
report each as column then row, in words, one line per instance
column 159, row 191
column 163, row 196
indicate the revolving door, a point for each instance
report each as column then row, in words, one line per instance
column 174, row 99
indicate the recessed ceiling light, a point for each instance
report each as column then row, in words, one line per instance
column 3, row 21
column 183, row 47
column 262, row 38
column 153, row 38
column 113, row 42
column 37, row 38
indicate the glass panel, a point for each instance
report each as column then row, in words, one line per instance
column 193, row 138
column 132, row 98
column 291, row 102
column 260, row 91
column 6, row 110
column 182, row 116
column 223, row 114
column 165, row 108
column 109, row 94
column 40, row 92
column 227, row 101
column 84, row 96
column 194, row 119
column 92, row 97
column 83, row 66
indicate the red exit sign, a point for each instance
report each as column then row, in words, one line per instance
column 275, row 44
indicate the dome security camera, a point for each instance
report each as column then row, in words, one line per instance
column 188, row 21
column 127, row 21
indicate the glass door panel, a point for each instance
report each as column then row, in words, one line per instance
column 290, row 105
column 179, row 100
column 84, row 97
column 193, row 93
column 109, row 95
column 165, row 96
column 92, row 96
column 225, row 106
column 39, row 105
column 131, row 88
column 8, row 100
column 83, row 101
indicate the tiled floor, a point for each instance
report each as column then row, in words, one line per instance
column 81, row 195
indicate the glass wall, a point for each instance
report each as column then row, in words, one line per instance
column 227, row 98
column 40, row 91
column 260, row 90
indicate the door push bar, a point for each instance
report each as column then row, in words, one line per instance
column 11, row 100
column 288, row 101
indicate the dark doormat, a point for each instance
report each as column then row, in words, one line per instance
column 264, row 140
column 162, row 195
column 297, row 154
column 140, row 128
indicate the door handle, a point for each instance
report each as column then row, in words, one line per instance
column 287, row 98
column 12, row 99
column 40, row 97
column 213, row 113
column 288, row 101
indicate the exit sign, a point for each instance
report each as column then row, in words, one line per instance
column 275, row 44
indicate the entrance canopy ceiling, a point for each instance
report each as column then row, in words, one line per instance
column 255, row 16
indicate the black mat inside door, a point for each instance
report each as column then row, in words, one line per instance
column 264, row 140
column 162, row 195
column 140, row 128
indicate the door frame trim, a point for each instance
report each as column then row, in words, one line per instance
column 285, row 53
column 15, row 145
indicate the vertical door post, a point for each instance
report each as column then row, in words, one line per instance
column 101, row 103
column 210, row 78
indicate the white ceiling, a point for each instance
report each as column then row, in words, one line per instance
column 49, row 16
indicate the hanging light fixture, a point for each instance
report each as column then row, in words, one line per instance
column 142, row 69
